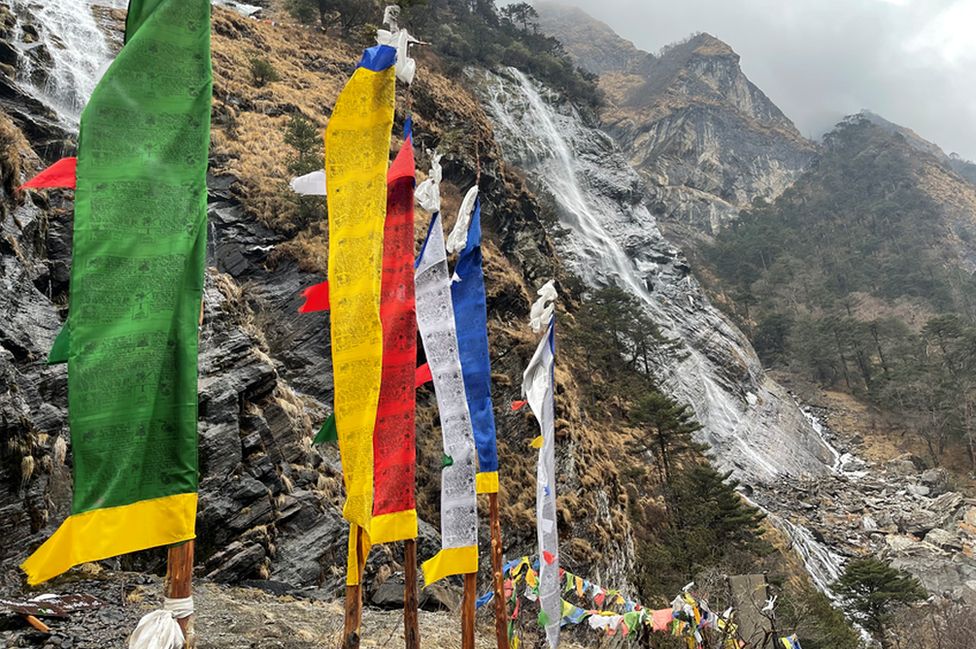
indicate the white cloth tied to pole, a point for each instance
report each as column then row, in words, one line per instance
column 400, row 40
column 438, row 330
column 543, row 308
column 428, row 193
column 391, row 14
column 459, row 235
column 160, row 629
column 312, row 184
column 538, row 390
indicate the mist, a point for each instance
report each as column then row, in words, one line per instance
column 911, row 61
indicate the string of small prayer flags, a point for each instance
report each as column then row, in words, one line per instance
column 688, row 616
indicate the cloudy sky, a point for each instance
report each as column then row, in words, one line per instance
column 911, row 61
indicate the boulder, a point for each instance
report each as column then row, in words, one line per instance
column 900, row 542
column 936, row 479
column 944, row 539
column 969, row 517
column 918, row 490
column 902, row 466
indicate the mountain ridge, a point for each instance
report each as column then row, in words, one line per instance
column 706, row 139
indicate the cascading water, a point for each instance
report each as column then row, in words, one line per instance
column 754, row 427
column 63, row 52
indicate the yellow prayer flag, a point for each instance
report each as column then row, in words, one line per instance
column 357, row 148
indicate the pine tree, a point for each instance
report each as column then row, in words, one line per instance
column 306, row 139
column 670, row 428
column 302, row 135
column 875, row 591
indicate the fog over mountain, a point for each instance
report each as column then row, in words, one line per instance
column 912, row 61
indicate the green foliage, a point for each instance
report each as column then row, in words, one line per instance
column 522, row 15
column 469, row 32
column 350, row 16
column 262, row 72
column 709, row 527
column 670, row 429
column 304, row 11
column 874, row 592
column 463, row 32
column 305, row 138
column 804, row 610
column 819, row 275
column 615, row 330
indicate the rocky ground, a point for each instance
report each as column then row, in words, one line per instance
column 896, row 509
column 264, row 614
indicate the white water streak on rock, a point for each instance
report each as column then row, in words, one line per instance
column 76, row 48
column 613, row 239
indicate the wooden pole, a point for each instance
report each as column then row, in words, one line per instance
column 498, row 578
column 354, row 597
column 179, row 569
column 467, row 610
column 411, row 598
column 179, row 584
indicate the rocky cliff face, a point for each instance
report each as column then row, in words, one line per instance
column 707, row 141
column 609, row 237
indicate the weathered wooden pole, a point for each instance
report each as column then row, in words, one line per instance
column 354, row 596
column 179, row 584
column 411, row 598
column 179, row 567
column 498, row 578
column 467, row 610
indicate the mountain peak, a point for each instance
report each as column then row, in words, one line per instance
column 709, row 141
column 704, row 44
column 912, row 138
column 590, row 42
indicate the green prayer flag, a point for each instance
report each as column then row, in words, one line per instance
column 59, row 350
column 137, row 273
column 328, row 432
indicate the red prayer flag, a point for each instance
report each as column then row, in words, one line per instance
column 316, row 298
column 394, row 453
column 518, row 405
column 423, row 375
column 61, row 175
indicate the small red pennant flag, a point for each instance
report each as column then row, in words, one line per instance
column 518, row 405
column 316, row 298
column 423, row 375
column 548, row 557
column 59, row 175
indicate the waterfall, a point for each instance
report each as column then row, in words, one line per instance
column 63, row 52
column 754, row 427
